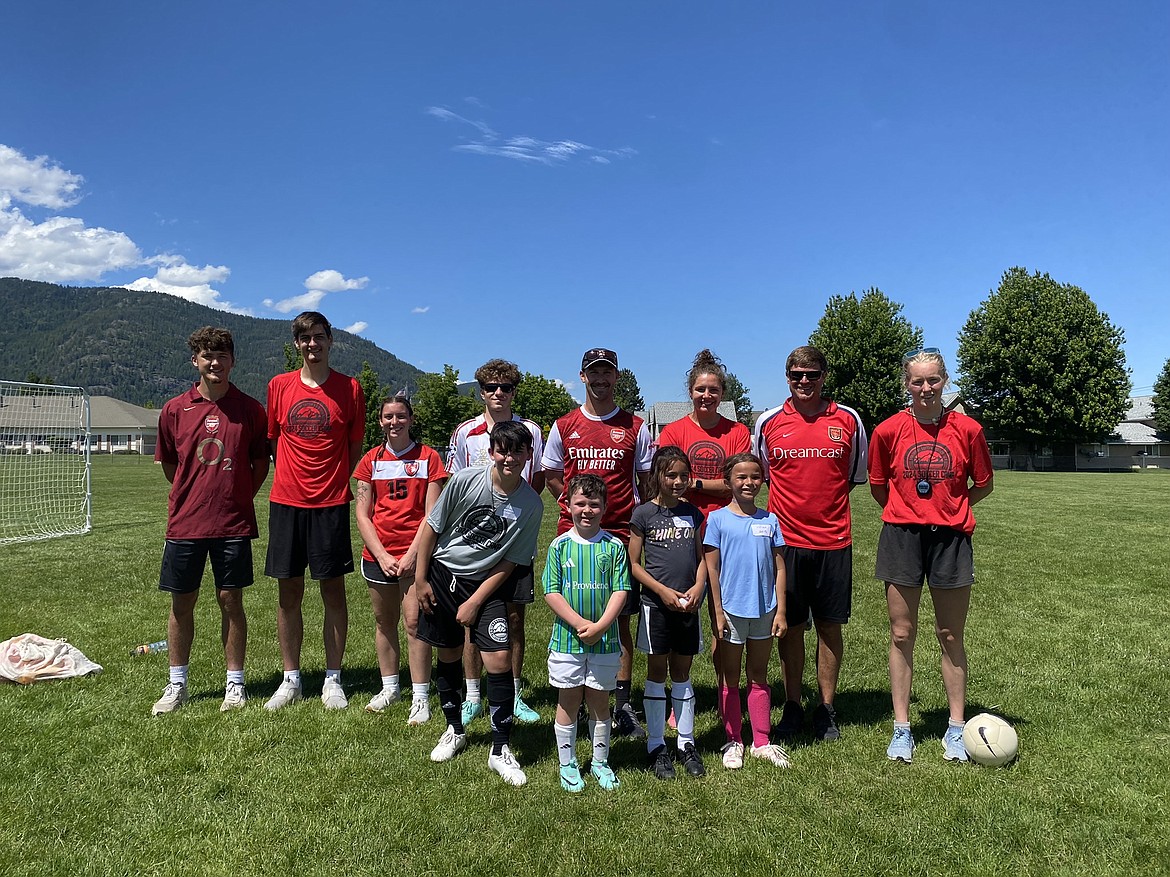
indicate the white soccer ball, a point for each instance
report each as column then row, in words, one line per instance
column 990, row 740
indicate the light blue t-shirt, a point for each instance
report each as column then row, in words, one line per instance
column 747, row 566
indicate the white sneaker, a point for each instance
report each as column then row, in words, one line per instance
column 234, row 697
column 773, row 753
column 420, row 711
column 383, row 699
column 449, row 745
column 733, row 756
column 173, row 697
column 286, row 693
column 506, row 765
column 333, row 695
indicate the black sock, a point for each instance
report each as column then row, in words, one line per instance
column 621, row 694
column 501, row 696
column 449, row 682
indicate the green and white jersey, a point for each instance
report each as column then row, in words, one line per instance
column 586, row 574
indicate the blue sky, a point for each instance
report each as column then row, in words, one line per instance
column 459, row 181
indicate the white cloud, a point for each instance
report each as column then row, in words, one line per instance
column 420, row 310
column 306, row 302
column 357, row 328
column 36, row 181
column 524, row 148
column 178, row 278
column 318, row 284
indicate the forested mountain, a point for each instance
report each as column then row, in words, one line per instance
column 133, row 345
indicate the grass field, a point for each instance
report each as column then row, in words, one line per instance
column 1069, row 638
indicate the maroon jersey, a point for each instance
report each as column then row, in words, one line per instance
column 212, row 445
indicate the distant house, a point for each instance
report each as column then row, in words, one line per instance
column 119, row 427
column 662, row 413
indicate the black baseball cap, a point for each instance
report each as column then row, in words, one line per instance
column 596, row 355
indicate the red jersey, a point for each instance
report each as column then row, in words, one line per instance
column 399, row 484
column 314, row 427
column 615, row 448
column 212, row 444
column 707, row 449
column 810, row 464
column 946, row 455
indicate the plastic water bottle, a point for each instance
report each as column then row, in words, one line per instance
column 149, row 649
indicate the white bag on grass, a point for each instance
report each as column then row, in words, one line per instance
column 31, row 658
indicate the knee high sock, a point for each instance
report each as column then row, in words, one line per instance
column 566, row 742
column 732, row 708
column 682, row 695
column 654, row 705
column 760, row 712
column 501, row 693
column 621, row 694
column 599, row 732
column 448, row 676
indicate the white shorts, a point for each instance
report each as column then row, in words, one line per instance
column 574, row 670
column 740, row 629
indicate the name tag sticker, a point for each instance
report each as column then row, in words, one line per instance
column 761, row 529
column 509, row 512
column 681, row 523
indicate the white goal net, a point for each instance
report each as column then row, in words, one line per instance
column 44, row 462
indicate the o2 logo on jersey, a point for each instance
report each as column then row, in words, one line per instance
column 707, row 461
column 481, row 527
column 928, row 460
column 308, row 419
column 836, row 434
column 209, row 452
column 618, row 434
column 211, row 423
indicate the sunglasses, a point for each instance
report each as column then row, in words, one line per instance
column 491, row 388
column 910, row 354
column 797, row 377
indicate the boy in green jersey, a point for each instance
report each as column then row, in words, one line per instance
column 586, row 578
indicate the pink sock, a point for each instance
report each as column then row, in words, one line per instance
column 760, row 712
column 731, row 707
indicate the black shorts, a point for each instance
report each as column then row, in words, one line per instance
column 184, row 560
column 661, row 631
column 820, row 580
column 489, row 633
column 909, row 553
column 314, row 538
column 372, row 573
column 519, row 587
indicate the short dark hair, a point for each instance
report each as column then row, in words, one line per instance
column 303, row 322
column 735, row 459
column 211, row 338
column 587, row 485
column 498, row 371
column 511, row 435
column 806, row 357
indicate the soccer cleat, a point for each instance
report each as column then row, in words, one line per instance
column 571, row 779
column 791, row 722
column 901, row 746
column 604, row 775
column 523, row 713
column 471, row 709
column 173, row 697
column 825, row 723
column 626, row 724
column 287, row 692
column 954, row 749
column 420, row 711
column 333, row 695
column 662, row 762
column 383, row 699
column 773, row 753
column 506, row 765
column 234, row 697
column 449, row 745
column 733, row 756
column 691, row 762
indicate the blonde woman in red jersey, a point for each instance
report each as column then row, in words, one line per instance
column 397, row 484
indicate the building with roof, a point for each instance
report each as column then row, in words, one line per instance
column 662, row 413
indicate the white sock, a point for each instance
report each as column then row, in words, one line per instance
column 293, row 676
column 472, row 690
column 566, row 742
column 518, row 685
column 390, row 683
column 335, row 675
column 654, row 704
column 236, row 676
column 601, row 740
column 179, row 675
column 682, row 695
column 420, row 690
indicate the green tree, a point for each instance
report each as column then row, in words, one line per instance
column 542, row 400
column 627, row 393
column 864, row 340
column 1162, row 400
column 439, row 408
column 1041, row 364
column 292, row 357
column 737, row 394
column 368, row 378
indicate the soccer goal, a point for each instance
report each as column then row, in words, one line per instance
column 44, row 462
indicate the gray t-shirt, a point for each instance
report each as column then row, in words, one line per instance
column 670, row 537
column 479, row 527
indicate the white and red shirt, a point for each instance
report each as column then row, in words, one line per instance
column 615, row 448
column 707, row 449
column 810, row 464
column 212, row 445
column 314, row 428
column 945, row 454
column 398, row 482
column 470, row 446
